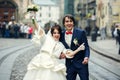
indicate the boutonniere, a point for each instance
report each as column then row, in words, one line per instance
column 75, row 41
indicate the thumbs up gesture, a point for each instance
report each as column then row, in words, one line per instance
column 81, row 47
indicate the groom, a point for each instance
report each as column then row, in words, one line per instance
column 72, row 38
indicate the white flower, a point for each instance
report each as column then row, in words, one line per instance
column 75, row 41
column 32, row 7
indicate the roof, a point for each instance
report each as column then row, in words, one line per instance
column 44, row 2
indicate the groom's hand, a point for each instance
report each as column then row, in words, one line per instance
column 62, row 56
column 85, row 61
column 81, row 47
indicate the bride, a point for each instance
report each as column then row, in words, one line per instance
column 47, row 64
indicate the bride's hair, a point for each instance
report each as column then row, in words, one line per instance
column 58, row 27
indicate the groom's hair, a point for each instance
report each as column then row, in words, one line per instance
column 70, row 17
column 58, row 27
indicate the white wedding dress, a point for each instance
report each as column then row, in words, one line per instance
column 46, row 65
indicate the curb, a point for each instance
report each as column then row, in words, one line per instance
column 102, row 52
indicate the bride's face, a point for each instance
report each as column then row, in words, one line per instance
column 56, row 35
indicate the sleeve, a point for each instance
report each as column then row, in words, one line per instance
column 59, row 49
column 39, row 38
column 65, row 52
column 87, row 49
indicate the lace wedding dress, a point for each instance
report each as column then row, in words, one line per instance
column 46, row 65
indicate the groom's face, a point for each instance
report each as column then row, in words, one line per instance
column 68, row 24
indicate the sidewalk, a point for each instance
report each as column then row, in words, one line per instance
column 107, row 47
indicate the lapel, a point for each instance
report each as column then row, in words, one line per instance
column 64, row 42
column 73, row 36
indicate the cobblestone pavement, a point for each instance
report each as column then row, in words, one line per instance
column 20, row 64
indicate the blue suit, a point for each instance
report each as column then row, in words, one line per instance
column 74, row 65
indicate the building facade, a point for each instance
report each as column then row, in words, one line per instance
column 13, row 10
column 69, row 7
column 48, row 12
column 115, row 11
column 107, row 13
column 82, row 9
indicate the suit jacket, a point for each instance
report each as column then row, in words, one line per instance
column 80, row 35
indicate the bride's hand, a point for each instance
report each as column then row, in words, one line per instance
column 41, row 32
column 69, row 54
column 62, row 56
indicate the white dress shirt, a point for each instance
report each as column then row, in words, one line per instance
column 68, row 38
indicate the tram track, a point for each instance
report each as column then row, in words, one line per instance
column 7, row 60
column 5, row 48
column 102, row 63
column 100, row 53
column 6, row 52
column 11, row 46
column 118, row 76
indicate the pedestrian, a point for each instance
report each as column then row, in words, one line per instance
column 47, row 64
column 116, row 33
column 118, row 36
column 103, row 32
column 30, row 31
column 112, row 30
column 72, row 37
column 16, row 30
column 7, row 31
column 3, row 29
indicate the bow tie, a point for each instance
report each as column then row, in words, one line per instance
column 68, row 32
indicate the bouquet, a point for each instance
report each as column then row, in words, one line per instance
column 32, row 9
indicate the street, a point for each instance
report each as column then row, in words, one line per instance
column 103, row 68
column 99, row 18
column 15, row 54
